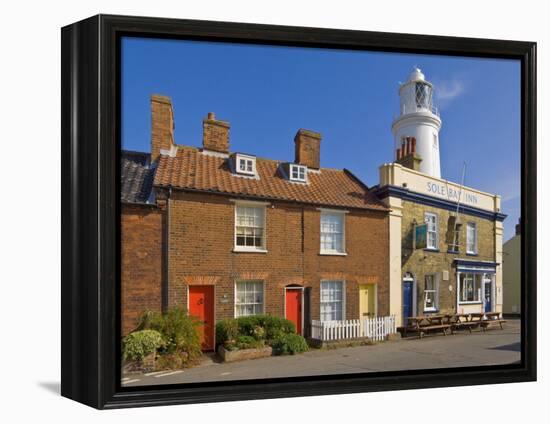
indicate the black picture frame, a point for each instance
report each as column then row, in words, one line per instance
column 90, row 210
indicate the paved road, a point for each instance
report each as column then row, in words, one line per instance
column 479, row 348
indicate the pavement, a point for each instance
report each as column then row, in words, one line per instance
column 493, row 347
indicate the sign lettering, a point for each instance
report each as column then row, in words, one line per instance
column 451, row 193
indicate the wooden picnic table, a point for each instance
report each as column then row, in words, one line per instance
column 443, row 322
column 424, row 323
column 492, row 318
column 461, row 321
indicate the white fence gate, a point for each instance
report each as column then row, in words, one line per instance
column 376, row 329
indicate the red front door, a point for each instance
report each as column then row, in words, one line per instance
column 294, row 308
column 201, row 305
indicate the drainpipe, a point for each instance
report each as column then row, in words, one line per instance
column 166, row 255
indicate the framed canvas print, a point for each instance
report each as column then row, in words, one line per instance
column 255, row 211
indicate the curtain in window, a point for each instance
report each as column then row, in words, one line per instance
column 250, row 226
column 332, row 299
column 249, row 298
column 332, row 232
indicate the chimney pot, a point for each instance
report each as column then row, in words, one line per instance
column 211, row 116
column 413, row 144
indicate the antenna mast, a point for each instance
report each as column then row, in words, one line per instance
column 457, row 224
column 460, row 191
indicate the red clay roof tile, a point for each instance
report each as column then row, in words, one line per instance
column 193, row 170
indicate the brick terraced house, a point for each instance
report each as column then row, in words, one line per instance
column 227, row 234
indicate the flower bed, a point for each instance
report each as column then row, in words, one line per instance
column 257, row 336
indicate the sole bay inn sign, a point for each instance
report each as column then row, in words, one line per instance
column 443, row 190
column 410, row 183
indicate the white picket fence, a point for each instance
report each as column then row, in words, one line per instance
column 373, row 328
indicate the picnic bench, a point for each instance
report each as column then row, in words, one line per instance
column 464, row 321
column 492, row 318
column 424, row 324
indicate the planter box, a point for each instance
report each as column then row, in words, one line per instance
column 243, row 354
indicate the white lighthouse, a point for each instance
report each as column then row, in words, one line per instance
column 419, row 119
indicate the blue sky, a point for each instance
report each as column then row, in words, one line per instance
column 267, row 93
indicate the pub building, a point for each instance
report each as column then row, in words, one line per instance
column 445, row 239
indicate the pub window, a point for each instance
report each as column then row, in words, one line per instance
column 430, row 293
column 469, row 289
column 431, row 230
column 471, row 238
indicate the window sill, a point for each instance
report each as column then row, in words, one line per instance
column 470, row 303
column 244, row 250
column 455, row 252
column 333, row 254
column 431, row 311
column 431, row 250
column 471, row 254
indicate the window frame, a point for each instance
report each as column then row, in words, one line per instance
column 342, row 302
column 235, row 297
column 460, row 288
column 474, row 251
column 247, row 158
column 435, row 291
column 342, row 215
column 250, row 204
column 436, row 231
column 298, row 167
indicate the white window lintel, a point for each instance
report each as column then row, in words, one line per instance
column 332, row 211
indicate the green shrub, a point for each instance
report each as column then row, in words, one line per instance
column 276, row 327
column 248, row 342
column 179, row 330
column 139, row 344
column 227, row 330
column 290, row 344
column 260, row 327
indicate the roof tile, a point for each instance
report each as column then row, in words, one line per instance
column 193, row 170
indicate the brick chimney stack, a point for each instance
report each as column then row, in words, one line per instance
column 162, row 125
column 215, row 134
column 406, row 155
column 308, row 148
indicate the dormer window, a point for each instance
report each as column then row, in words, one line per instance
column 298, row 173
column 245, row 164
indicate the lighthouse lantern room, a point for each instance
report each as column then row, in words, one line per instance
column 419, row 120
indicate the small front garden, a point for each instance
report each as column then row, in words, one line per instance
column 172, row 340
column 257, row 336
column 163, row 341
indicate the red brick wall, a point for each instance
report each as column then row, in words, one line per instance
column 202, row 240
column 141, row 262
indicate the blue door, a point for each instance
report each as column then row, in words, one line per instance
column 407, row 300
column 487, row 295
